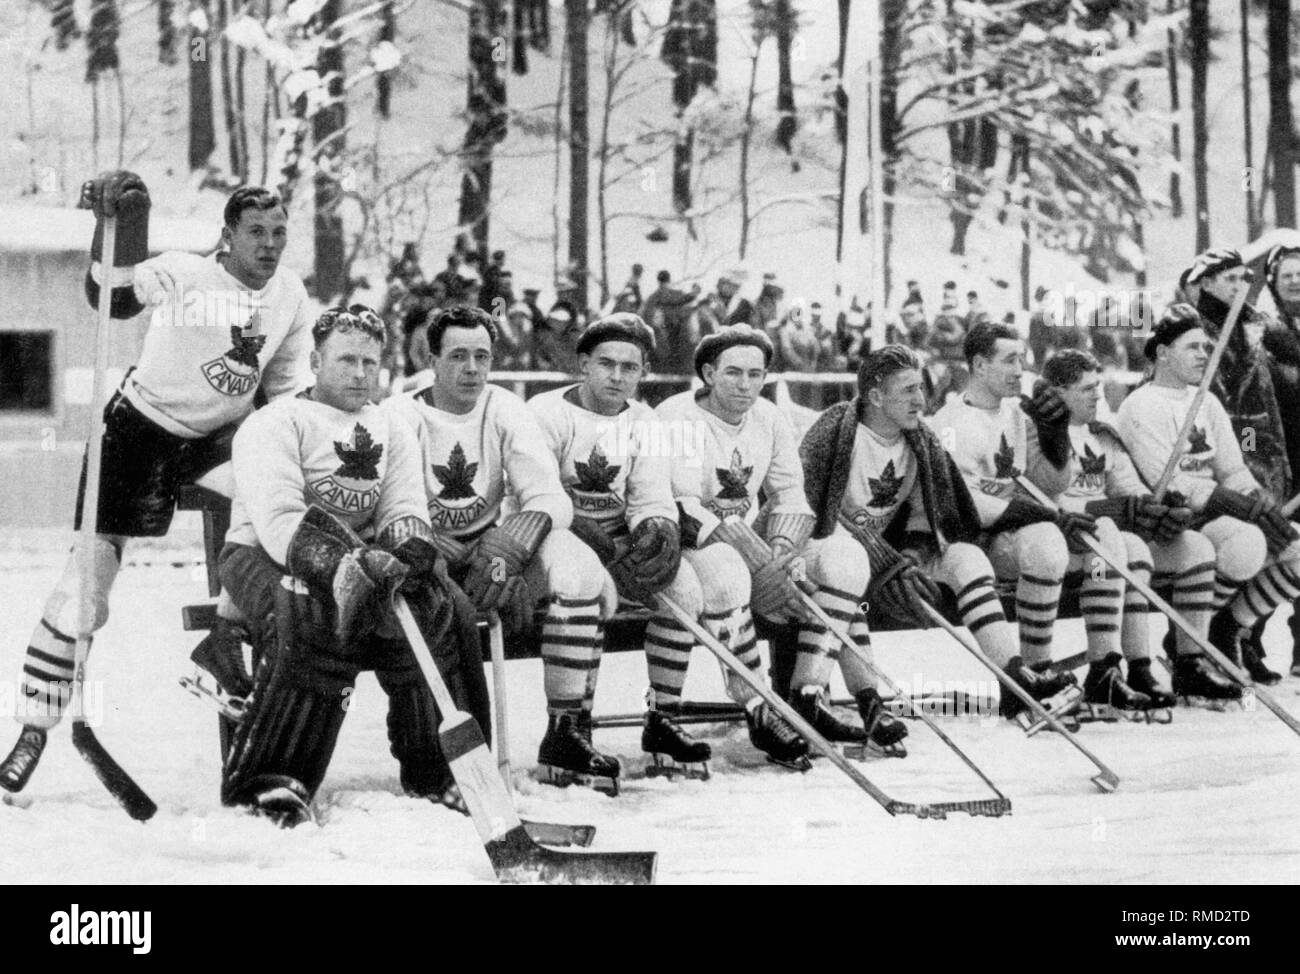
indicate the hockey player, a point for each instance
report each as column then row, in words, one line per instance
column 995, row 435
column 314, row 475
column 222, row 326
column 743, row 444
column 1104, row 482
column 876, row 473
column 613, row 462
column 1257, row 557
column 478, row 441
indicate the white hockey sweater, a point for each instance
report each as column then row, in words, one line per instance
column 1149, row 420
column 882, row 478
column 613, row 467
column 212, row 341
column 991, row 448
column 362, row 467
column 472, row 461
column 1100, row 467
column 721, row 466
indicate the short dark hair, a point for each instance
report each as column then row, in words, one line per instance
column 983, row 338
column 1067, row 367
column 663, row 277
column 250, row 198
column 459, row 316
column 356, row 317
column 880, row 365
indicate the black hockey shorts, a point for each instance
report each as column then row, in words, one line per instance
column 142, row 468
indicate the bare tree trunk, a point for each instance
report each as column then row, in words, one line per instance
column 63, row 18
column 690, row 48
column 384, row 85
column 1281, row 126
column 893, row 13
column 575, row 29
column 166, row 32
column 241, row 120
column 1175, row 135
column 607, row 109
column 270, row 94
column 328, row 138
column 746, row 135
column 227, row 90
column 1198, row 25
column 556, row 229
column 485, row 108
column 203, row 136
column 1252, row 231
column 785, row 28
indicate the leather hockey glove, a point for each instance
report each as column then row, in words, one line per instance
column 903, row 591
column 1051, row 417
column 1260, row 511
column 121, row 194
column 1074, row 526
column 774, row 592
column 495, row 580
column 651, row 564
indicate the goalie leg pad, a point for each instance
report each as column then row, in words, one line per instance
column 413, row 732
column 299, row 700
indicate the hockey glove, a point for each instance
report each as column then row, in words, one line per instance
column 1074, row 526
column 1260, row 511
column 121, row 194
column 412, row 542
column 1021, row 512
column 495, row 582
column 903, row 591
column 1051, row 417
column 651, row 564
column 774, row 592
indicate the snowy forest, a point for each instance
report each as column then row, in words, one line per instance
column 582, row 136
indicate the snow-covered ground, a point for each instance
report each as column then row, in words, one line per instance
column 1209, row 799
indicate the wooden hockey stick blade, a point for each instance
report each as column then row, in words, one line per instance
column 1106, row 780
column 515, row 857
column 558, row 834
column 119, row 784
column 849, row 646
column 1176, row 618
column 788, row 713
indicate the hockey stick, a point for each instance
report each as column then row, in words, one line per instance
column 515, row 857
column 120, row 784
column 499, row 707
column 791, row 716
column 999, row 806
column 1106, row 780
column 1221, row 343
column 1175, row 617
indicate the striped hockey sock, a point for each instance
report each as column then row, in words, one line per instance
column 1101, row 599
column 1276, row 584
column 47, row 676
column 1036, row 603
column 589, row 697
column 1224, row 589
column 667, row 654
column 1135, row 630
column 981, row 612
column 857, row 677
column 1192, row 592
column 568, row 651
column 735, row 630
column 818, row 648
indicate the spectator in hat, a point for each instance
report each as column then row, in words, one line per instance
column 668, row 313
column 534, row 309
column 555, row 344
column 629, row 299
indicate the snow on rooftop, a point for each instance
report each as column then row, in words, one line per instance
column 52, row 229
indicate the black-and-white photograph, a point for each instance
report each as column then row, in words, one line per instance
column 693, row 442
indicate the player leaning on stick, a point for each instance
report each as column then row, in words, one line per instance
column 221, row 326
column 878, row 474
column 314, row 475
column 478, row 441
column 743, row 443
column 614, row 464
column 1257, row 556
column 1104, row 482
column 995, row 435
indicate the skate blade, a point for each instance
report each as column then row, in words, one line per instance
column 802, row 765
column 284, row 808
column 232, row 708
column 1061, row 705
column 557, row 834
column 871, row 751
column 662, row 766
column 548, row 774
column 1209, row 703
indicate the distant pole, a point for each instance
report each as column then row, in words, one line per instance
column 877, row 177
column 1252, row 229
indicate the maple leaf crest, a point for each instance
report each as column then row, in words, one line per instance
column 734, row 480
column 1004, row 461
column 361, row 459
column 596, row 474
column 246, row 342
column 1091, row 462
column 457, row 477
column 1196, row 441
column 884, row 489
